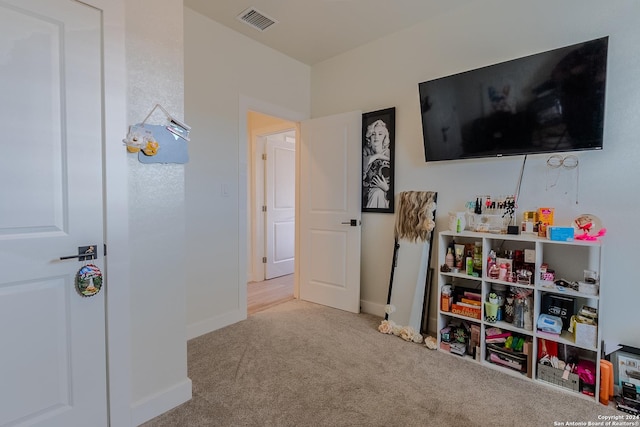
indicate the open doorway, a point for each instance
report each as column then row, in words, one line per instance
column 272, row 144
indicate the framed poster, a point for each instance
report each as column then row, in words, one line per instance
column 626, row 366
column 378, row 145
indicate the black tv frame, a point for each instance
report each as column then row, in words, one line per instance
column 533, row 104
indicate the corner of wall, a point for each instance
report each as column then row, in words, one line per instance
column 150, row 407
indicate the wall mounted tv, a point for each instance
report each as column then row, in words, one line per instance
column 543, row 103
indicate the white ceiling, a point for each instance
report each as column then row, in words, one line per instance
column 314, row 30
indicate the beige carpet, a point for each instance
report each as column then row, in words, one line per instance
column 302, row 364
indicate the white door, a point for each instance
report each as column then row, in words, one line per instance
column 330, row 189
column 52, row 357
column 280, row 188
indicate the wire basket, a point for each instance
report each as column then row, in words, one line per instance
column 555, row 376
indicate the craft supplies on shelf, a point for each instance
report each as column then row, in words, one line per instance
column 532, row 322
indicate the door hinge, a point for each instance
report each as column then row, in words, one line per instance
column 105, row 249
column 264, row 208
column 264, row 259
column 264, row 156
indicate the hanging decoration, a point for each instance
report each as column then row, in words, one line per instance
column 556, row 164
column 159, row 143
column 88, row 280
column 140, row 138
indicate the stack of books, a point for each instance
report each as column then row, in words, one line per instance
column 469, row 304
column 496, row 336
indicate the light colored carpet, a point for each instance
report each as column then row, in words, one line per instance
column 302, row 364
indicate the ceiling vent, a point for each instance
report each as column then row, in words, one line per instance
column 256, row 19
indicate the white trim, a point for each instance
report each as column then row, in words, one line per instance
column 247, row 104
column 217, row 322
column 115, row 191
column 256, row 175
column 159, row 403
column 373, row 308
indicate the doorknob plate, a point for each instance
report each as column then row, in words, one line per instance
column 85, row 253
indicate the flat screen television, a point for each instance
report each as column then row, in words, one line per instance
column 543, row 103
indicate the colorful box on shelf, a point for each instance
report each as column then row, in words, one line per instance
column 462, row 310
column 586, row 335
column 545, row 215
column 561, row 234
column 585, row 328
column 530, row 256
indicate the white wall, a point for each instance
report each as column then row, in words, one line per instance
column 224, row 73
column 386, row 73
column 154, row 55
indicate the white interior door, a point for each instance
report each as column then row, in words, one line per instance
column 280, row 187
column 330, row 190
column 53, row 366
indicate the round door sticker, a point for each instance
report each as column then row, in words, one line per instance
column 88, row 280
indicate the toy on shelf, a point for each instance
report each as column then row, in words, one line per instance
column 588, row 227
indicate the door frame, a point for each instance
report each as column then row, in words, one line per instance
column 257, row 196
column 116, row 211
column 246, row 105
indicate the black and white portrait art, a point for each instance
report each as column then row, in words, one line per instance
column 378, row 141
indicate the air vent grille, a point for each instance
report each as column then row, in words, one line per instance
column 256, row 19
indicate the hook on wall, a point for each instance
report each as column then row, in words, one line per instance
column 559, row 162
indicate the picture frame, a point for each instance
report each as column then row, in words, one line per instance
column 378, row 169
column 626, row 366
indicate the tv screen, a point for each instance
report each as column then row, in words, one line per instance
column 543, row 103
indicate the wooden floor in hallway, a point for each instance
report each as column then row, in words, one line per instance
column 268, row 293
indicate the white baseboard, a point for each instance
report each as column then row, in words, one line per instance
column 372, row 308
column 378, row 310
column 159, row 403
column 214, row 323
column 219, row 322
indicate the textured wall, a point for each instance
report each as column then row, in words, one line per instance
column 154, row 54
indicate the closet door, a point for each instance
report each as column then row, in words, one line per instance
column 53, row 365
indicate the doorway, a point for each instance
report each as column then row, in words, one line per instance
column 272, row 144
column 343, row 131
column 269, row 293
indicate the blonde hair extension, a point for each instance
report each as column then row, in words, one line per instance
column 415, row 215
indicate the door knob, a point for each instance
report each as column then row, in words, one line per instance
column 85, row 253
column 353, row 222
